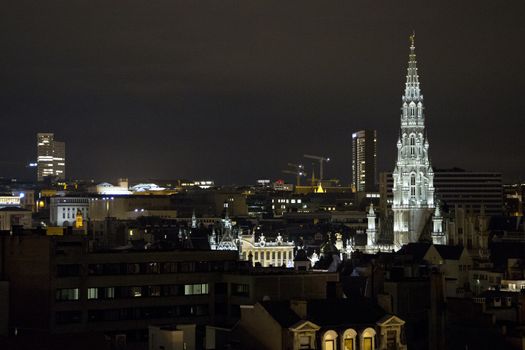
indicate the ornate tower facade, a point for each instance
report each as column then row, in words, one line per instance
column 413, row 177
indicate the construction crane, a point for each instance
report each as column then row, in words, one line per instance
column 321, row 160
column 298, row 171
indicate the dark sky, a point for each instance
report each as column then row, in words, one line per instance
column 235, row 90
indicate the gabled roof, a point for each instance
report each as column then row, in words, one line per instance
column 333, row 312
column 390, row 320
column 327, row 312
column 304, row 325
column 281, row 312
column 416, row 250
column 448, row 252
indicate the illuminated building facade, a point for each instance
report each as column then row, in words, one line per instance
column 63, row 210
column 267, row 253
column 413, row 177
column 364, row 160
column 51, row 157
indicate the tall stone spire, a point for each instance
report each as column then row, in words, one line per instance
column 412, row 90
column 413, row 177
column 227, row 241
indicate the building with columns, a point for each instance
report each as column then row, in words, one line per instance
column 268, row 253
column 413, row 177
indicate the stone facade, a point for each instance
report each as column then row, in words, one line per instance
column 413, row 188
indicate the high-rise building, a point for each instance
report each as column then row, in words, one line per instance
column 51, row 159
column 457, row 188
column 413, row 177
column 364, row 160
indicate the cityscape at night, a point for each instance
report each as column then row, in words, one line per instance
column 198, row 175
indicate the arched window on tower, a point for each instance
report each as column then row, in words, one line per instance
column 413, row 185
column 412, row 145
column 412, row 109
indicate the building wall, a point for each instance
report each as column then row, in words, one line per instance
column 64, row 209
column 28, row 269
column 292, row 285
column 4, row 307
column 58, row 286
column 120, row 207
column 15, row 217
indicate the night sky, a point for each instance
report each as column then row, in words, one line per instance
column 233, row 91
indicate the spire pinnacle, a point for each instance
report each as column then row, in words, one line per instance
column 412, row 90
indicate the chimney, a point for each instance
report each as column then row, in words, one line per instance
column 299, row 307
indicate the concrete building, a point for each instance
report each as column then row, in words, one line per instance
column 364, row 160
column 467, row 189
column 59, row 286
column 51, row 157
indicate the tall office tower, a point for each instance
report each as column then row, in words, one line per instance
column 457, row 188
column 364, row 160
column 413, row 177
column 51, row 159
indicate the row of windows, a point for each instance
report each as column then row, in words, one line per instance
column 94, row 293
column 68, row 317
column 486, row 277
column 158, row 267
column 293, row 201
column 464, row 267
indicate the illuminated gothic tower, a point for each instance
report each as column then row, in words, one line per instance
column 413, row 188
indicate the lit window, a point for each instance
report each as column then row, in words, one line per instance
column 92, row 293
column 68, row 294
column 304, row 341
column 196, row 289
column 136, row 292
column 368, row 343
column 349, row 344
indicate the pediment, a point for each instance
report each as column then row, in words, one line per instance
column 390, row 320
column 303, row 326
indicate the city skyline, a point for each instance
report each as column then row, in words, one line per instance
column 189, row 101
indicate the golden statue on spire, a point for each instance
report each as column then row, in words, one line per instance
column 413, row 38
